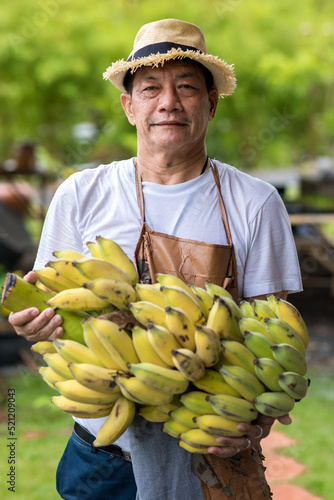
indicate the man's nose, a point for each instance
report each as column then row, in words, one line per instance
column 169, row 99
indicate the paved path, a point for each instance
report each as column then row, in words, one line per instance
column 281, row 469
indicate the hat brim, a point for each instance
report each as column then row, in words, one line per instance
column 223, row 74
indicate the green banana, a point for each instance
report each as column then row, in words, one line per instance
column 213, row 382
column 236, row 353
column 253, row 325
column 290, row 358
column 268, row 370
column 274, row 404
column 216, row 290
column 282, row 332
column 155, row 376
column 19, row 294
column 184, row 416
column 197, row 402
column 246, row 309
column 258, row 344
column 293, row 384
column 242, row 381
column 237, row 409
column 262, row 309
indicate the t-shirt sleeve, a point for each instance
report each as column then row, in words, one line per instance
column 60, row 225
column 272, row 261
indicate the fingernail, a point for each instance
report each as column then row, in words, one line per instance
column 49, row 313
column 242, row 428
column 34, row 313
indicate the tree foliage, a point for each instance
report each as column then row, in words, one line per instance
column 53, row 54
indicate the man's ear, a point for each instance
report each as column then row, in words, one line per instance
column 213, row 99
column 126, row 102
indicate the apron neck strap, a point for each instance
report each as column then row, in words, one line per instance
column 221, row 203
column 139, row 191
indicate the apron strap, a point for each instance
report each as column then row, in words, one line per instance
column 221, row 203
column 139, row 191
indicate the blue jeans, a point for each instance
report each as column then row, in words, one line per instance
column 87, row 473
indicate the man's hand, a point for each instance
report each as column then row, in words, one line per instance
column 253, row 434
column 33, row 325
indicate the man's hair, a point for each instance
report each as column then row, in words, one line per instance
column 129, row 76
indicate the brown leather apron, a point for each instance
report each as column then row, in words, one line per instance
column 240, row 477
column 195, row 262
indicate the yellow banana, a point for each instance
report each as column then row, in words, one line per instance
column 173, row 428
column 204, row 297
column 146, row 313
column 197, row 401
column 253, row 325
column 78, row 299
column 202, row 450
column 169, row 280
column 74, row 352
column 94, row 249
column 151, row 293
column 238, row 409
column 50, row 376
column 188, row 363
column 153, row 414
column 67, row 254
column 262, row 309
column 95, row 344
column 43, row 347
column 258, row 344
column 216, row 290
column 198, row 437
column 222, row 320
column 163, row 342
column 116, row 341
column 133, row 389
column 293, row 384
column 178, row 297
column 267, row 370
column 95, row 377
column 92, row 268
column 64, row 268
column 167, row 408
column 213, row 382
column 155, row 376
column 207, row 344
column 236, row 353
column 72, row 389
column 290, row 358
column 282, row 332
column 289, row 313
column 58, row 364
column 184, row 416
column 115, row 292
column 81, row 410
column 143, row 347
column 53, row 280
column 181, row 326
column 216, row 425
column 118, row 421
column 241, row 380
column 113, row 253
column 274, row 404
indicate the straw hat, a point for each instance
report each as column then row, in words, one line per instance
column 169, row 39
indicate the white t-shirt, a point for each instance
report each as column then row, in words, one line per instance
column 102, row 201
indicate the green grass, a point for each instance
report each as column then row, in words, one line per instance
column 37, row 455
column 42, row 432
column 312, row 428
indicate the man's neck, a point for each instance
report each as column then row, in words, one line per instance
column 171, row 169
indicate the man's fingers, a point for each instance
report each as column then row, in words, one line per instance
column 23, row 317
column 43, row 326
column 31, row 276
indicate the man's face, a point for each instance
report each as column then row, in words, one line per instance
column 170, row 106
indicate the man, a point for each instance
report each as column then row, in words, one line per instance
column 185, row 205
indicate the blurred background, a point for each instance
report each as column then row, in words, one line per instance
column 58, row 116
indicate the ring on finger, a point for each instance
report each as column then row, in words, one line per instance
column 261, row 432
column 248, row 443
